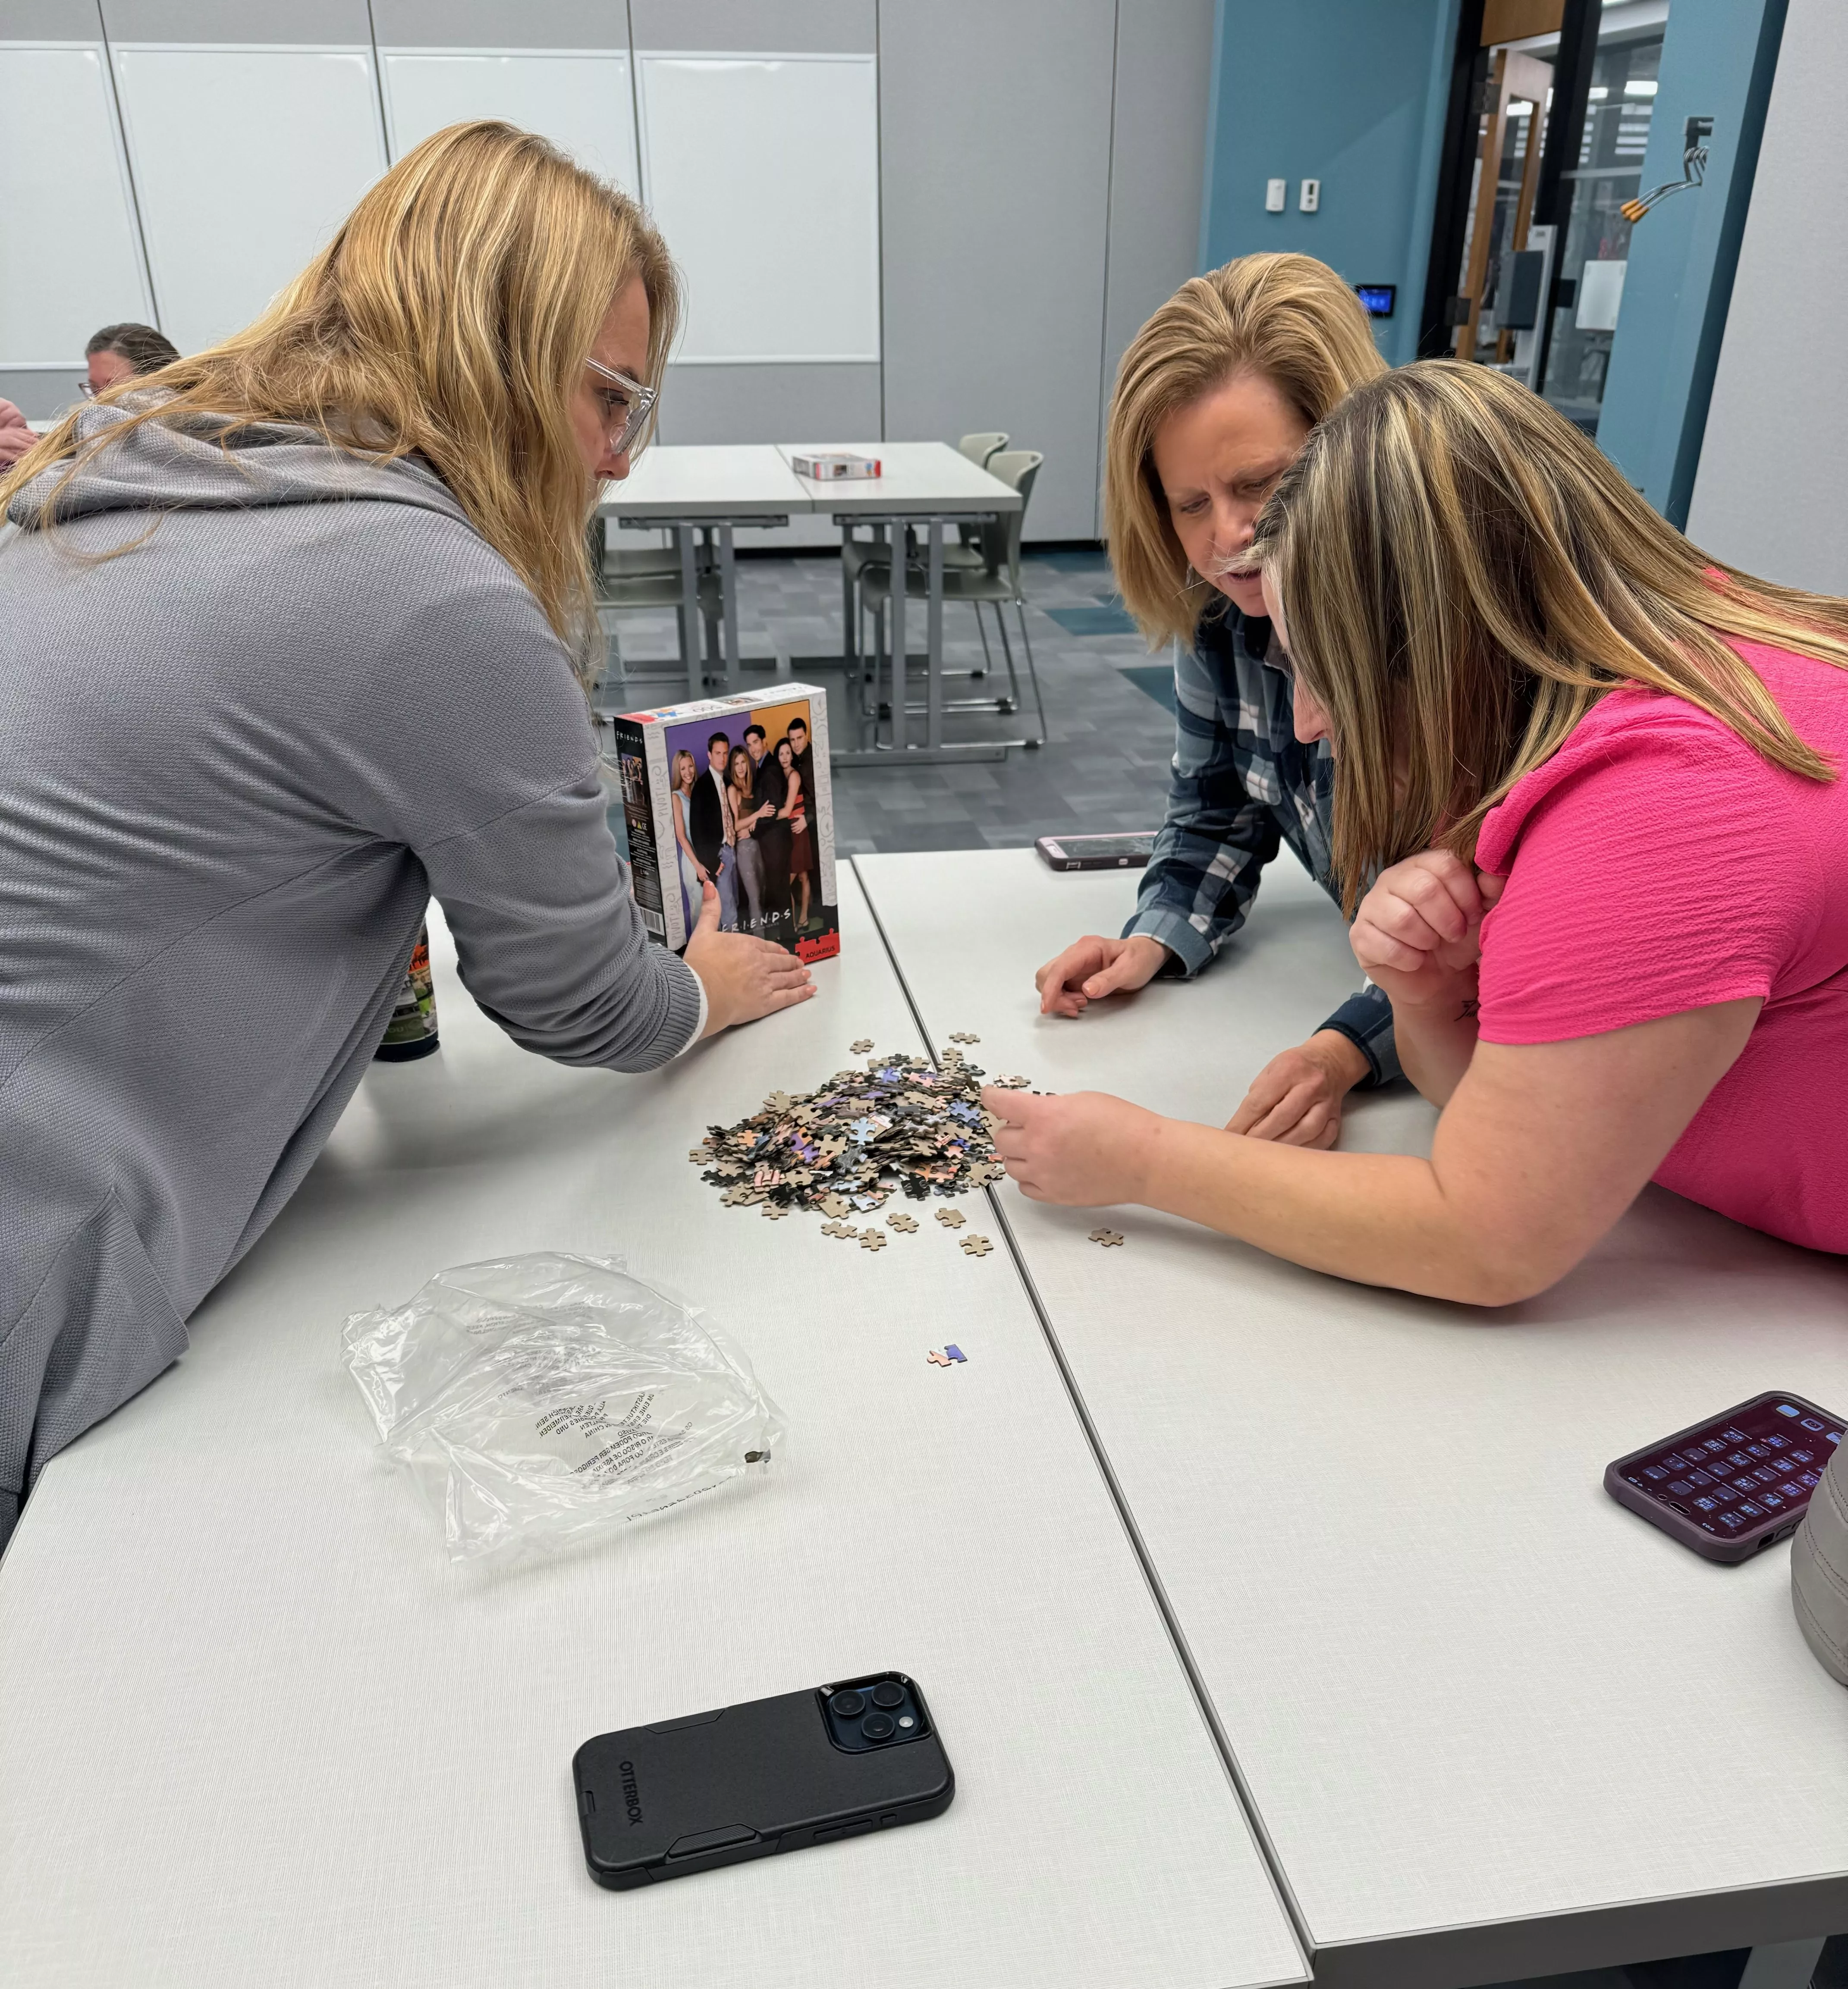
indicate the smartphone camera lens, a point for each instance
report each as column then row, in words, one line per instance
column 877, row 1726
column 888, row 1694
column 848, row 1705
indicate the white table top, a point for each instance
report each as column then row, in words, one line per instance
column 708, row 480
column 257, row 1729
column 1493, row 1724
column 914, row 476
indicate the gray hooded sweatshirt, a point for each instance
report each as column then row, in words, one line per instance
column 235, row 762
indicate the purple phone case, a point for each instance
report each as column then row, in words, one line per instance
column 1739, row 1547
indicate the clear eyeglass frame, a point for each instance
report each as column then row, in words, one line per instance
column 641, row 405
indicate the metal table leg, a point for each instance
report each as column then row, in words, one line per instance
column 689, row 612
column 728, row 595
column 934, row 639
column 896, row 594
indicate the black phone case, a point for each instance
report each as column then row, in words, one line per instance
column 1742, row 1546
column 1072, row 858
column 717, row 1788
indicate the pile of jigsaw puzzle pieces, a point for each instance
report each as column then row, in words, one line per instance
column 901, row 1126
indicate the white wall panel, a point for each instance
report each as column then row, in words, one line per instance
column 581, row 99
column 246, row 160
column 763, row 172
column 69, row 261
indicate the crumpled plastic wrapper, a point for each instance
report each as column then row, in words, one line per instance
column 543, row 1397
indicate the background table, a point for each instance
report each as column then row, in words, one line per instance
column 923, row 485
column 257, row 1729
column 1490, row 1724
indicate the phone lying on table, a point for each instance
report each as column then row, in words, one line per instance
column 775, row 1774
column 1097, row 852
column 1730, row 1486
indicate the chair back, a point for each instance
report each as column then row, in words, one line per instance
column 979, row 447
column 1016, row 468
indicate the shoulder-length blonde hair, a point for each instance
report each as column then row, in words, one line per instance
column 450, row 318
column 1288, row 317
column 1464, row 575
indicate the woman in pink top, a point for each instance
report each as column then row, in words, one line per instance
column 1586, row 779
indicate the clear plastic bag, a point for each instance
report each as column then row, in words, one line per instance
column 548, row 1396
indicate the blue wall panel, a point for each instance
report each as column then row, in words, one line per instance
column 1349, row 92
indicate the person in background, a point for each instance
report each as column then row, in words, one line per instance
column 795, row 811
column 345, row 549
column 745, row 816
column 1589, row 797
column 685, row 771
column 1214, row 398
column 119, row 352
column 709, row 823
column 16, row 435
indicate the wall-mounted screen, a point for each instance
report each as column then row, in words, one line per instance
column 1377, row 299
column 763, row 171
column 246, row 159
column 579, row 98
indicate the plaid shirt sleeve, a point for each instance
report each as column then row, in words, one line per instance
column 1215, row 840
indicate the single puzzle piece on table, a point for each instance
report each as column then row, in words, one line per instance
column 700, row 1154
column 872, row 1239
column 904, row 1224
column 775, row 1213
column 1110, row 1238
column 947, row 1358
column 963, row 1036
column 832, row 1204
column 778, row 1101
column 976, row 1246
column 860, row 1047
column 951, row 1219
column 1010, row 1083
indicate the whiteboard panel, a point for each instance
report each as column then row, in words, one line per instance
column 69, row 262
column 763, row 174
column 246, row 160
column 581, row 100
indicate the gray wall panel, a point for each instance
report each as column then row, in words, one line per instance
column 40, row 396
column 1772, row 484
column 1157, row 164
column 49, row 20
column 340, row 22
column 995, row 169
column 501, row 24
column 818, row 403
column 789, row 27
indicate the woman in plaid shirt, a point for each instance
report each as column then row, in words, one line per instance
column 1214, row 399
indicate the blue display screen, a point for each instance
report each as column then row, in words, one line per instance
column 1377, row 299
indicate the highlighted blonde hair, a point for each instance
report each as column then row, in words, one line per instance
column 1464, row 575
column 450, row 318
column 1289, row 318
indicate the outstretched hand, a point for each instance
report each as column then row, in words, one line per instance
column 1093, row 967
column 1083, row 1148
column 743, row 977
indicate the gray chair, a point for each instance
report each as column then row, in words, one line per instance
column 651, row 578
column 858, row 554
column 979, row 447
column 994, row 584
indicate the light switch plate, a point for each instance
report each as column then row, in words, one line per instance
column 1275, row 192
column 1311, row 196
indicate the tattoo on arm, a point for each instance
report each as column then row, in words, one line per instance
column 1468, row 1010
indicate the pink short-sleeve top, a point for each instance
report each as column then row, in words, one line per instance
column 1657, row 864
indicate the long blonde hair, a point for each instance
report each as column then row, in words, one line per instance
column 450, row 318
column 1464, row 575
column 1288, row 317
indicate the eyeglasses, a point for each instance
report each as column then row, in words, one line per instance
column 626, row 405
column 86, row 390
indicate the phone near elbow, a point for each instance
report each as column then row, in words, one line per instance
column 687, row 1795
column 1732, row 1486
column 1097, row 852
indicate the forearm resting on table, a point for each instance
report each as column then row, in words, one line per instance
column 1435, row 1045
column 1541, row 1149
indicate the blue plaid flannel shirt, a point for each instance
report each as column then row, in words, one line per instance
column 1241, row 784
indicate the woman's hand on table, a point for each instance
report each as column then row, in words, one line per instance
column 1417, row 933
column 745, row 978
column 1297, row 1097
column 1093, row 967
column 1083, row 1147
